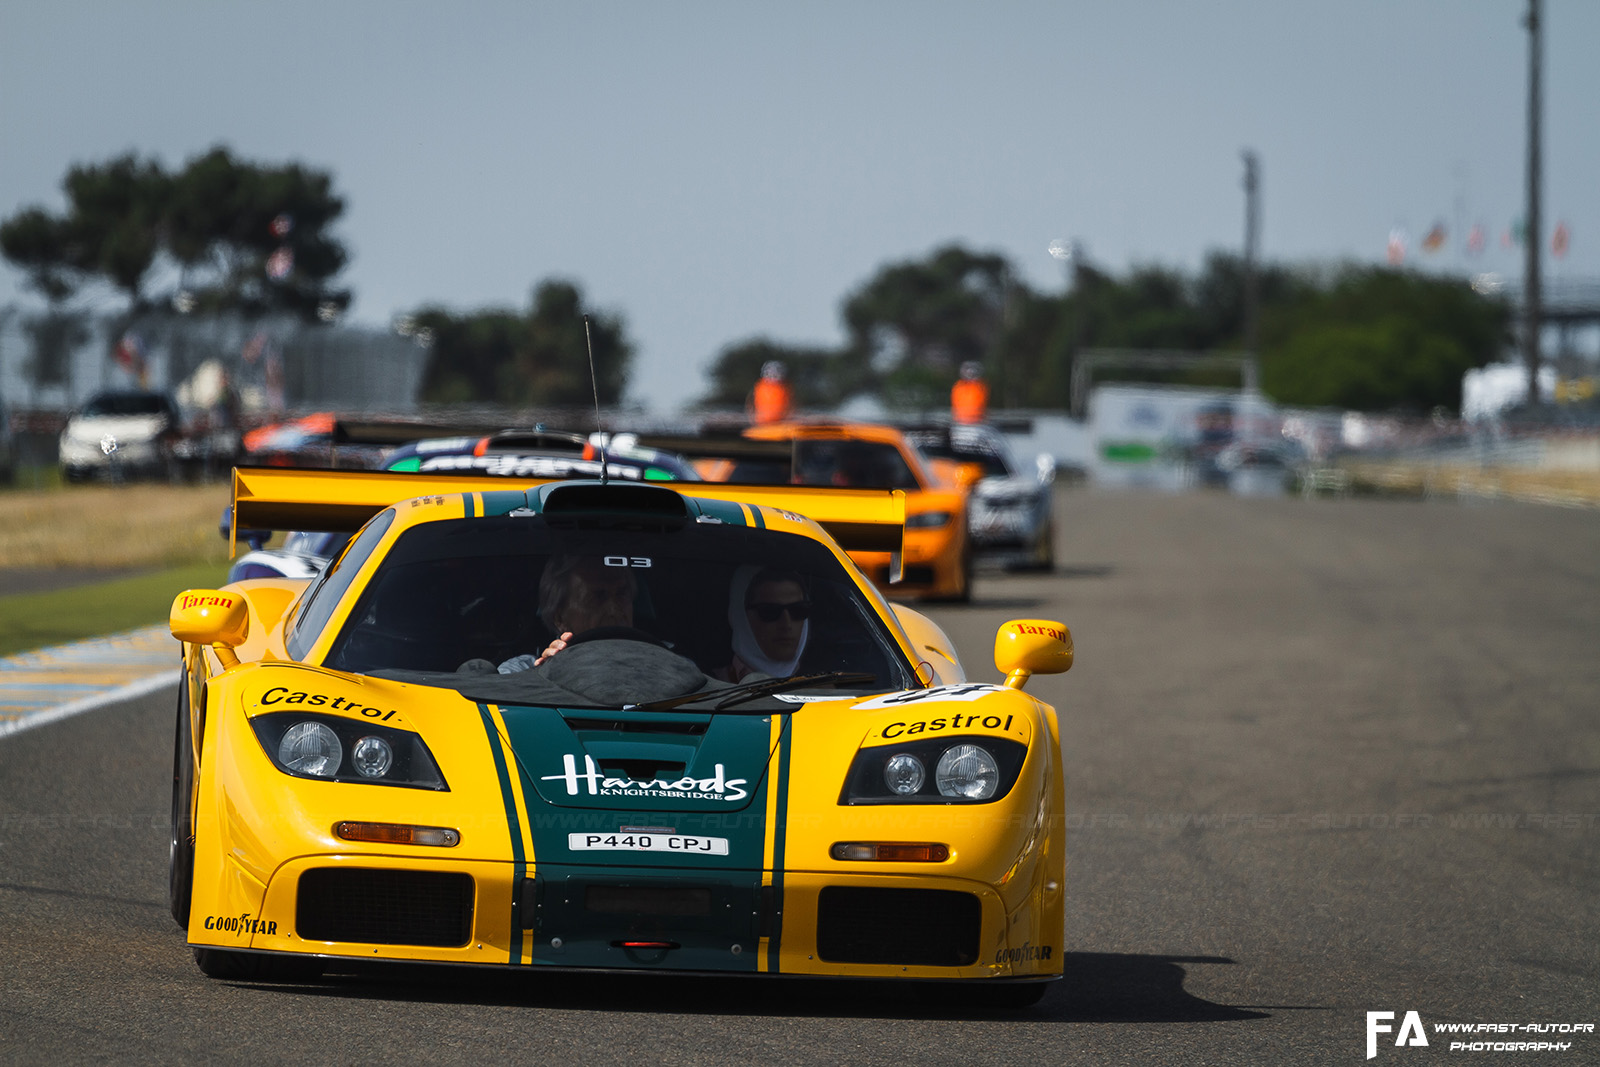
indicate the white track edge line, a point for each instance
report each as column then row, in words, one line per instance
column 139, row 688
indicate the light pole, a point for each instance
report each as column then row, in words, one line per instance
column 1070, row 254
column 1252, row 242
column 1532, row 298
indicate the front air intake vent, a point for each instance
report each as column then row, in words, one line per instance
column 907, row 927
column 381, row 907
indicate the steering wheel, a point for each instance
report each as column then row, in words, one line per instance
column 615, row 633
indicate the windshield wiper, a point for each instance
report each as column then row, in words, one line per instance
column 764, row 687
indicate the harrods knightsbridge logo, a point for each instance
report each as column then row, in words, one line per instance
column 1472, row 1037
column 717, row 787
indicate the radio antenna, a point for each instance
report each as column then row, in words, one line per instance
column 594, row 383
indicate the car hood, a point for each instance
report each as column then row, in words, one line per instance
column 580, row 745
column 996, row 488
column 122, row 427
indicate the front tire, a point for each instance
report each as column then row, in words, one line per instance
column 180, row 852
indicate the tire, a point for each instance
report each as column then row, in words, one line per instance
column 1044, row 556
column 233, row 966
column 180, row 852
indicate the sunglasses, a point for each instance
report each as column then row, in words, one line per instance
column 799, row 611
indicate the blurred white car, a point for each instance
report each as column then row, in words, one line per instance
column 1010, row 518
column 121, row 434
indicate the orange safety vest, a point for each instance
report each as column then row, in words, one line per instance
column 969, row 400
column 772, row 401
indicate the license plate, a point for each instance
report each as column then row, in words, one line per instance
column 681, row 844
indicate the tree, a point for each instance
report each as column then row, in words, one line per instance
column 247, row 237
column 255, row 238
column 536, row 359
column 1361, row 338
column 42, row 246
column 914, row 323
column 819, row 378
column 1378, row 340
column 117, row 212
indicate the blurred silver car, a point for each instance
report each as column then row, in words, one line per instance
column 1010, row 519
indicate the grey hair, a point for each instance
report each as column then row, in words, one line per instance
column 555, row 586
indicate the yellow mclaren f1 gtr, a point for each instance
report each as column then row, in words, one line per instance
column 607, row 726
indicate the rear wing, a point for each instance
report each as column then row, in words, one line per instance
column 293, row 498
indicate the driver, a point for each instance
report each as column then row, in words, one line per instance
column 578, row 593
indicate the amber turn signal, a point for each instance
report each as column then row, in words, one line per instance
column 891, row 851
column 385, row 833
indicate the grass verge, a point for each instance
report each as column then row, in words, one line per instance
column 112, row 526
column 36, row 620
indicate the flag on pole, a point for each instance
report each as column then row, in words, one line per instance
column 1475, row 239
column 1397, row 247
column 129, row 355
column 1560, row 240
column 254, row 347
column 1434, row 239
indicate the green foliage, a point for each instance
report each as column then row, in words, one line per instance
column 914, row 323
column 1367, row 339
column 535, row 359
column 213, row 220
column 42, row 246
column 221, row 230
column 35, row 620
column 1380, row 340
column 819, row 378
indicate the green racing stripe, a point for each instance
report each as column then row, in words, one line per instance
column 519, row 866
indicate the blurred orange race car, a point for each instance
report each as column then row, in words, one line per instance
column 937, row 556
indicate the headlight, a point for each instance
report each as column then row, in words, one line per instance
column 372, row 756
column 927, row 520
column 333, row 748
column 967, row 770
column 903, row 773
column 311, row 748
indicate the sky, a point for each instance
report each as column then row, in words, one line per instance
column 720, row 171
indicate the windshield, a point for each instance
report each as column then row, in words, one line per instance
column 733, row 600
column 966, row 448
column 859, row 464
column 127, row 404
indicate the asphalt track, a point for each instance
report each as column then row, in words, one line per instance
column 1327, row 757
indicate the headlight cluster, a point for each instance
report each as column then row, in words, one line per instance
column 337, row 749
column 950, row 770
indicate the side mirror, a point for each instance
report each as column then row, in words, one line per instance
column 211, row 617
column 1045, row 465
column 969, row 474
column 1025, row 647
column 254, row 538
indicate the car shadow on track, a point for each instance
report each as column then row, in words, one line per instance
column 1096, row 987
